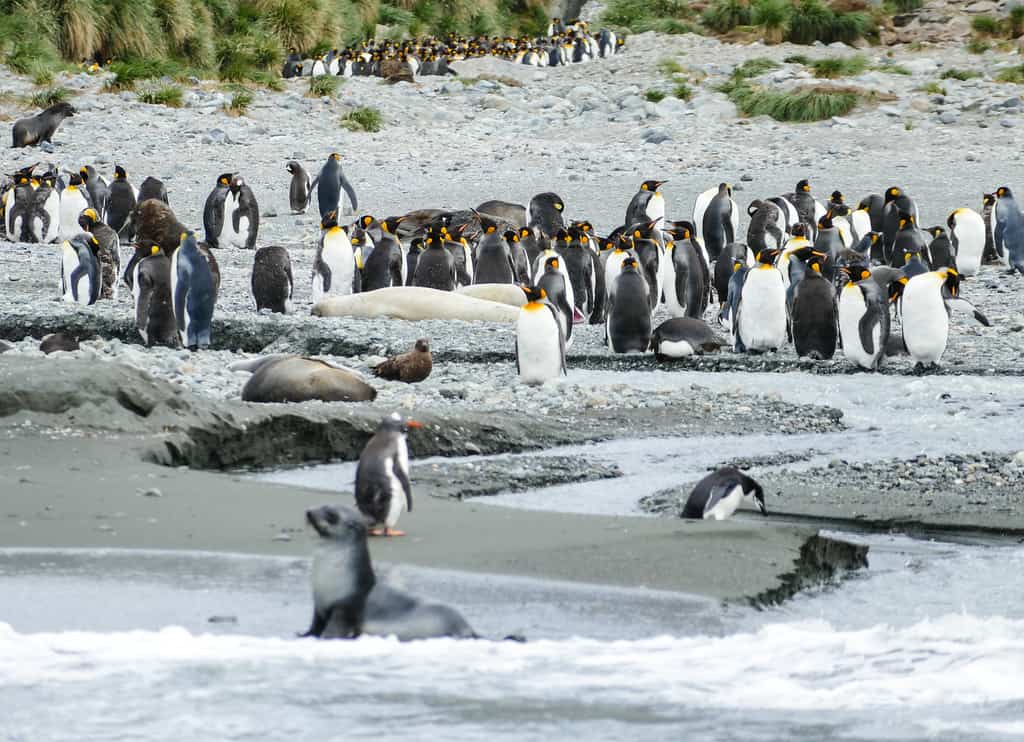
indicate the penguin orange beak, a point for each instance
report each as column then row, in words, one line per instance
column 413, row 424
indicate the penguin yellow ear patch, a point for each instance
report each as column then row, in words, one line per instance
column 490, row 230
column 154, row 250
column 636, row 233
column 686, row 234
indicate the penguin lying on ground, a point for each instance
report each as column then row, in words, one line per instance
column 681, row 337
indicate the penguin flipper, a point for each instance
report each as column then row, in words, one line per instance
column 350, row 191
column 76, row 276
column 965, row 306
column 715, row 496
column 997, row 236
column 866, row 327
column 403, row 478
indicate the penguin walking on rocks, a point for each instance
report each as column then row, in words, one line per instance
column 967, row 235
column 335, row 269
column 628, row 327
column 300, row 189
column 717, row 218
column 108, row 251
column 242, row 214
column 813, row 313
column 154, row 310
column 272, row 281
column 121, row 200
column 383, row 490
column 718, row 495
column 1009, row 230
column 760, row 321
column 192, row 293
column 331, row 187
column 540, row 341
column 214, row 211
column 925, row 305
column 79, row 271
column 864, row 321
column 648, row 205
column 691, row 290
column 74, row 199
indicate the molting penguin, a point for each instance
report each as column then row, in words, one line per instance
column 74, row 199
column 719, row 494
column 925, row 306
column 342, row 574
column 156, row 224
column 411, row 367
column 107, row 251
column 681, row 337
column 300, row 190
column 1009, row 230
column 940, row 249
column 540, row 342
column 648, row 205
column 864, row 320
column 214, row 222
column 383, row 490
column 121, row 201
column 242, row 214
column 716, row 216
column 192, row 293
column 546, row 213
column 331, row 184
column 154, row 310
column 272, row 281
column 628, row 327
column 767, row 225
column 760, row 322
column 967, row 235
column 79, row 272
column 813, row 312
column 334, row 268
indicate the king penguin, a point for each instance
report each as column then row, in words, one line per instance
column 717, row 218
column 214, row 222
column 97, row 188
column 1009, row 229
column 967, row 234
column 74, row 199
column 383, row 490
column 435, row 268
column 107, row 250
column 760, row 321
column 924, row 310
column 556, row 286
column 628, row 327
column 45, row 216
column 864, row 319
column 154, row 310
column 242, row 214
column 331, row 185
column 648, row 205
column 540, row 343
column 120, row 205
column 79, row 271
column 192, row 293
column 300, row 189
column 814, row 312
column 334, row 268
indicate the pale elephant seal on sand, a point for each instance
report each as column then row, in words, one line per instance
column 284, row 378
column 503, row 293
column 416, row 303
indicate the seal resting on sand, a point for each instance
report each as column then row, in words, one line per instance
column 284, row 378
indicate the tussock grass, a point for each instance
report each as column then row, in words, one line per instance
column 773, row 17
column 165, row 95
column 798, row 59
column 903, row 6
column 128, row 72
column 325, row 85
column 986, row 25
column 50, row 97
column 1015, row 21
column 363, row 119
column 682, row 91
column 239, row 103
column 834, row 67
column 655, row 96
column 664, row 16
column 812, row 21
column 892, row 68
column 932, row 88
column 754, row 67
column 977, row 46
column 800, row 105
column 725, row 15
column 669, row 66
column 1011, row 74
column 956, row 74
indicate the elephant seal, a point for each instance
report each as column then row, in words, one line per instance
column 349, row 601
column 284, row 378
column 503, row 293
column 415, row 303
column 41, row 127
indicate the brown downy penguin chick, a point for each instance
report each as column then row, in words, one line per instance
column 410, row 367
column 382, row 476
column 106, row 249
column 156, row 224
column 58, row 341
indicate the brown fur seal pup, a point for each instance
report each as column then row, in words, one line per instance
column 41, row 127
column 284, row 378
column 409, row 367
column 58, row 341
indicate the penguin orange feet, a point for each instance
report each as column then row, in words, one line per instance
column 386, row 532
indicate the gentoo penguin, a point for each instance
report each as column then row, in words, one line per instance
column 435, row 268
column 192, row 293
column 719, row 494
column 907, row 241
column 154, row 310
column 242, row 214
column 153, row 188
column 121, row 201
column 897, row 203
column 45, row 217
column 74, row 199
column 940, row 249
column 330, row 186
column 1009, row 229
column 690, row 292
column 628, row 327
column 681, row 337
column 540, row 343
column 557, row 289
column 300, row 190
column 215, row 224
column 272, row 281
column 79, row 271
column 924, row 311
column 494, row 263
column 967, row 235
column 813, row 313
column 342, row 574
column 334, row 268
column 760, row 322
column 107, row 251
column 96, row 186
column 716, row 216
column 648, row 205
column 382, row 476
column 411, row 367
column 863, row 318
column 546, row 213
column 767, row 226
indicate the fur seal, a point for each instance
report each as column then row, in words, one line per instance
column 284, row 378
column 415, row 303
column 410, row 367
column 41, row 127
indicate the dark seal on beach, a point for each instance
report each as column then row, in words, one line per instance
column 41, row 127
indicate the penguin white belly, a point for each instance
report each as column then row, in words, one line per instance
column 68, row 264
column 819, row 211
column 319, row 68
column 668, row 282
column 396, row 503
column 241, row 237
column 656, row 208
column 570, row 296
column 851, row 310
column 675, row 348
column 699, row 207
column 72, row 203
column 182, row 332
column 727, row 505
column 969, row 229
column 843, row 227
column 136, row 295
column 925, row 320
column 861, row 223
column 340, row 259
column 762, row 314
column 537, row 346
column 469, row 268
column 612, row 269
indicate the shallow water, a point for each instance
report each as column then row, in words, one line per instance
column 928, row 644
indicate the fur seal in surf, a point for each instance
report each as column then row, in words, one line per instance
column 284, row 378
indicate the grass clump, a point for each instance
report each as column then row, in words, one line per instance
column 324, row 85
column 725, row 15
column 669, row 67
column 800, row 105
column 165, row 95
column 239, row 104
column 682, row 91
column 1016, row 21
column 664, row 16
column 932, row 88
column 754, row 67
column 363, row 119
column 956, row 74
column 891, row 68
column 1011, row 74
column 773, row 18
column 977, row 46
column 798, row 59
column 655, row 96
column 50, row 97
column 833, row 67
column 812, row 21
column 896, row 7
column 986, row 25
column 128, row 72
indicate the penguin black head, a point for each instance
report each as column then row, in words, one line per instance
column 767, row 256
column 988, row 199
column 335, row 156
column 119, row 173
column 390, row 224
column 84, row 173
column 630, row 264
column 563, row 236
column 330, row 220
column 826, row 221
column 551, row 264
column 582, row 226
column 937, row 231
column 837, row 197
column 798, row 230
column 534, row 294
column 511, row 237
column 804, row 186
column 75, row 180
column 891, row 194
column 87, row 219
column 725, row 188
column 341, row 524
column 652, row 185
column 366, row 220
column 816, row 260
column 906, row 220
column 951, row 282
column 1003, row 192
column 416, row 244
